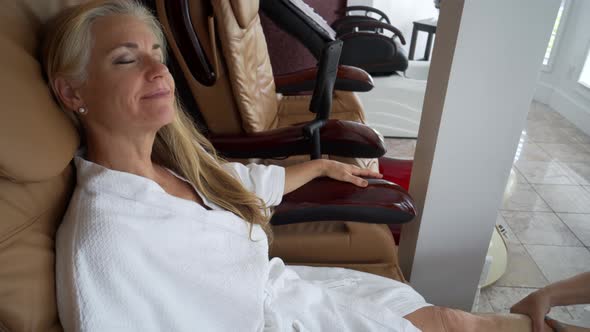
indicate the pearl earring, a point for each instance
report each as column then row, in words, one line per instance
column 82, row 110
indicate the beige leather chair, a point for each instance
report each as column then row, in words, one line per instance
column 242, row 96
column 37, row 142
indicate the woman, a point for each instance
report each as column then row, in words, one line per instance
column 161, row 234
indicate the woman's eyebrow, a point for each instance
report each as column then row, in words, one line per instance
column 132, row 45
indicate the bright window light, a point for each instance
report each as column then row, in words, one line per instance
column 549, row 51
column 585, row 75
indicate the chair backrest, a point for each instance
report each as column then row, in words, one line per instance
column 37, row 142
column 244, row 46
column 287, row 53
column 242, row 97
column 215, row 101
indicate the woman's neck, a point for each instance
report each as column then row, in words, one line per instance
column 125, row 154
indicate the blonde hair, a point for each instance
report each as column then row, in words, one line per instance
column 178, row 146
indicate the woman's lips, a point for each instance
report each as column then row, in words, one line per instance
column 157, row 94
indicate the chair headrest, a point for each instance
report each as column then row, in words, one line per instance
column 37, row 139
column 245, row 11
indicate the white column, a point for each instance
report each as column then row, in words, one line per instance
column 482, row 78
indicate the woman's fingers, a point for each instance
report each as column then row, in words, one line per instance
column 351, row 173
column 534, row 308
column 347, row 177
column 366, row 172
column 359, row 181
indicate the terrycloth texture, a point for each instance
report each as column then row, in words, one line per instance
column 131, row 257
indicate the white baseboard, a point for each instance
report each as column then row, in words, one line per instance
column 543, row 93
column 563, row 103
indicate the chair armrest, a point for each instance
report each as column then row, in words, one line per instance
column 338, row 137
column 348, row 79
column 367, row 10
column 348, row 30
column 324, row 199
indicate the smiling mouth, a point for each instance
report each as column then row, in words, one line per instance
column 157, row 94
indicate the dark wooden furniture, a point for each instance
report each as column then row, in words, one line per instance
column 428, row 25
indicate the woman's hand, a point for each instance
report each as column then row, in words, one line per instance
column 347, row 173
column 300, row 174
column 536, row 306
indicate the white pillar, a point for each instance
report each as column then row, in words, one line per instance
column 482, row 78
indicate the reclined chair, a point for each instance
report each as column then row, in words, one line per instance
column 248, row 101
column 251, row 112
column 284, row 13
column 37, row 178
column 358, row 32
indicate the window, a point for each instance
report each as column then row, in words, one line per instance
column 555, row 34
column 585, row 75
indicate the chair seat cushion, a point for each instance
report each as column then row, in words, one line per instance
column 328, row 244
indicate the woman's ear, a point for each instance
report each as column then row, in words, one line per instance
column 67, row 94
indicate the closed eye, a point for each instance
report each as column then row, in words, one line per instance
column 124, row 61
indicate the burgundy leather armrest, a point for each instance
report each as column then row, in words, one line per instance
column 338, row 137
column 381, row 202
column 348, row 79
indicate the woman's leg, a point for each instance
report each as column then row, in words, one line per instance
column 441, row 319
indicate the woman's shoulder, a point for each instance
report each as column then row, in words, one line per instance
column 94, row 179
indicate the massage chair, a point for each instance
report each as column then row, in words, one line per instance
column 394, row 105
column 254, row 113
column 37, row 177
column 283, row 14
column 372, row 30
column 361, row 28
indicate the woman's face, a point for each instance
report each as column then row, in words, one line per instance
column 128, row 88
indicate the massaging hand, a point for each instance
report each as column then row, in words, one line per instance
column 575, row 290
column 348, row 173
column 536, row 306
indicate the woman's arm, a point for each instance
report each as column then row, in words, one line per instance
column 300, row 174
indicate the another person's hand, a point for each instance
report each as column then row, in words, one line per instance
column 347, row 173
column 536, row 306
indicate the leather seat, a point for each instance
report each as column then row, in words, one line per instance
column 36, row 145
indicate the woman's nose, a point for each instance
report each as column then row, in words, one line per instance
column 156, row 69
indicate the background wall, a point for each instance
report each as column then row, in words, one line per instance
column 559, row 87
column 402, row 13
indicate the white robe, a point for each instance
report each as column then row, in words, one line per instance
column 131, row 257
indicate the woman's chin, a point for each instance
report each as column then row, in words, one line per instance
column 160, row 116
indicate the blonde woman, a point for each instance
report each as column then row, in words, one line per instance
column 162, row 235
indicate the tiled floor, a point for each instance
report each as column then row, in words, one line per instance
column 546, row 211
